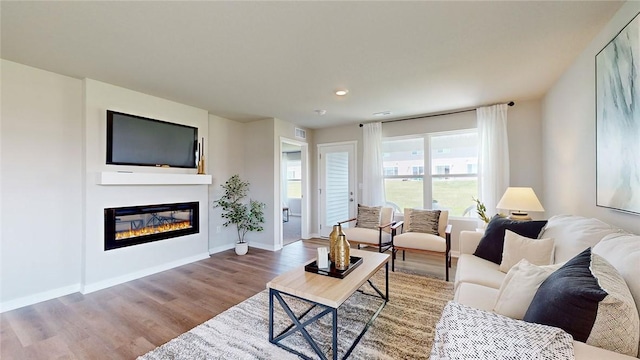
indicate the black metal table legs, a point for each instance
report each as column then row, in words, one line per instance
column 298, row 325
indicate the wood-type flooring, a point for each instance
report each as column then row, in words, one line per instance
column 130, row 319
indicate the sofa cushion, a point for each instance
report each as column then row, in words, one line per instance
column 519, row 287
column 424, row 221
column 476, row 296
column 517, row 247
column 364, row 235
column 589, row 299
column 368, row 217
column 472, row 269
column 583, row 351
column 623, row 252
column 573, row 234
column 492, row 242
column 420, row 241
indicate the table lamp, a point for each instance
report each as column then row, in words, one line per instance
column 520, row 200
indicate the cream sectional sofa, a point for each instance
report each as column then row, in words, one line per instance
column 478, row 281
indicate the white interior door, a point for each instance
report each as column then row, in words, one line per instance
column 337, row 184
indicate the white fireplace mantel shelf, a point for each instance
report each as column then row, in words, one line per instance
column 134, row 178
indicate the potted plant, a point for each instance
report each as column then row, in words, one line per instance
column 245, row 216
column 481, row 210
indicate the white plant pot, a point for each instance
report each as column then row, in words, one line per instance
column 242, row 248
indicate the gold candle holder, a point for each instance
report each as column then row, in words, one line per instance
column 333, row 239
column 201, row 166
column 342, row 253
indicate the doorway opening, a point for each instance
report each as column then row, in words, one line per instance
column 293, row 189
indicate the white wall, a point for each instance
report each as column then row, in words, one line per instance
column 568, row 129
column 225, row 157
column 524, row 131
column 525, row 147
column 105, row 268
column 41, row 166
column 260, row 173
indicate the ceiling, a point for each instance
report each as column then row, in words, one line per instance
column 253, row 60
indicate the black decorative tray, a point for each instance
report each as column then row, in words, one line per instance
column 332, row 271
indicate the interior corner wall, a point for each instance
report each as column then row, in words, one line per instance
column 569, row 139
column 106, row 268
column 41, row 139
column 524, row 128
column 226, row 156
column 259, row 168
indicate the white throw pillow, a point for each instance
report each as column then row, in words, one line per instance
column 519, row 287
column 517, row 247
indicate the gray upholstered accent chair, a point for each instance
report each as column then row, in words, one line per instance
column 378, row 235
column 407, row 240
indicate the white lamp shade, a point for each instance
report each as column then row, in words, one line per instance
column 520, row 199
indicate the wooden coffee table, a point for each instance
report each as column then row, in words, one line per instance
column 325, row 292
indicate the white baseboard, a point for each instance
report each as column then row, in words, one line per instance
column 39, row 297
column 264, row 246
column 221, row 248
column 455, row 254
column 89, row 288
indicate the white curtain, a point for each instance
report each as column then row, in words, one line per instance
column 372, row 170
column 493, row 156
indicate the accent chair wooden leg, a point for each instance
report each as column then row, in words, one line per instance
column 402, row 255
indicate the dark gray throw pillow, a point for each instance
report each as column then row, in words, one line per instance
column 590, row 300
column 492, row 242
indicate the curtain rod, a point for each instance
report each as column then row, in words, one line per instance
column 510, row 103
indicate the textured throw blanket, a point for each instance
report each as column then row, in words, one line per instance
column 467, row 333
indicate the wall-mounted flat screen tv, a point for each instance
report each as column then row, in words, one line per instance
column 136, row 140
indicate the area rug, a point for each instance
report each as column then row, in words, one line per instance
column 404, row 329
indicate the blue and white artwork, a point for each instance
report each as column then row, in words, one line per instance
column 618, row 121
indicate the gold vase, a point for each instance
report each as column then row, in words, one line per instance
column 333, row 239
column 342, row 253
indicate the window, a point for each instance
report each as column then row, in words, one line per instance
column 294, row 176
column 442, row 169
column 451, row 180
column 404, row 188
column 390, row 170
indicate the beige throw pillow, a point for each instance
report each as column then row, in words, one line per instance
column 424, row 221
column 519, row 287
column 517, row 247
column 368, row 217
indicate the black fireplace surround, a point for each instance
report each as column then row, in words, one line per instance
column 133, row 225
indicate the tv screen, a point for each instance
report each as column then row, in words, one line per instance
column 135, row 140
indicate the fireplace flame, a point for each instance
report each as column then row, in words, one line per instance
column 149, row 230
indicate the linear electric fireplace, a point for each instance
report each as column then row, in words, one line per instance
column 133, row 225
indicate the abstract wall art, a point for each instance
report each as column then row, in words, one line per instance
column 618, row 121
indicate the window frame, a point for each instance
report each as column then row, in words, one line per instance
column 427, row 177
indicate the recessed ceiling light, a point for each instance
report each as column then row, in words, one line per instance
column 342, row 92
column 382, row 113
column 320, row 112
